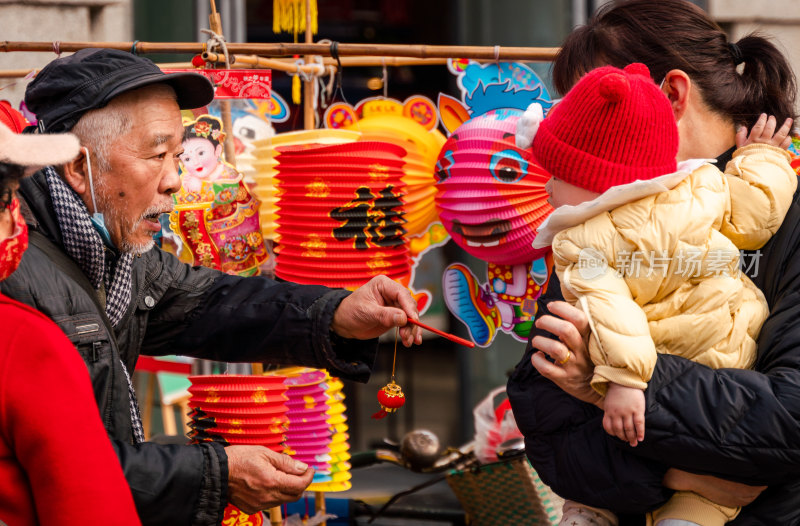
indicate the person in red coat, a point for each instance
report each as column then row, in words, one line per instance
column 57, row 465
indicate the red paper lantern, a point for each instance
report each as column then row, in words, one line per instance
column 341, row 215
column 391, row 398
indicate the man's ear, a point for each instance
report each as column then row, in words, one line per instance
column 76, row 173
column 677, row 86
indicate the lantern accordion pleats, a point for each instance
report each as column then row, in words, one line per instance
column 238, row 409
column 340, row 214
column 266, row 189
column 422, row 148
column 490, row 194
column 316, row 434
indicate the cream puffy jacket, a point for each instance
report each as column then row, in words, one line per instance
column 655, row 264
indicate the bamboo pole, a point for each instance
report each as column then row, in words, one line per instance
column 215, row 24
column 279, row 64
column 308, row 85
column 319, row 503
column 290, row 66
column 275, row 518
column 526, row 54
column 16, row 73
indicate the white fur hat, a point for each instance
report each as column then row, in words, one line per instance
column 37, row 150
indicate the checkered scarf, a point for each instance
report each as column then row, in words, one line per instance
column 84, row 244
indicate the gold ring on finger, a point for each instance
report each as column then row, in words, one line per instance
column 565, row 360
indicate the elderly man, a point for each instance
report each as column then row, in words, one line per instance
column 92, row 268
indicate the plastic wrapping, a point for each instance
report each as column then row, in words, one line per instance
column 494, row 424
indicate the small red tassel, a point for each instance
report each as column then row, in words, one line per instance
column 380, row 414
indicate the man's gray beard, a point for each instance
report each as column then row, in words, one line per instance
column 126, row 247
column 129, row 248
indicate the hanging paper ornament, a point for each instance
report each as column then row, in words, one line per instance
column 338, row 200
column 391, row 398
column 215, row 215
column 410, row 124
column 490, row 194
column 251, row 121
column 290, row 16
column 483, row 197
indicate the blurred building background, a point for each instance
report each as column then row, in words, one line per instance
column 442, row 381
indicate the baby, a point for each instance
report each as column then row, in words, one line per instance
column 650, row 249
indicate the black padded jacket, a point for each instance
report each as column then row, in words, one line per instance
column 742, row 425
column 175, row 309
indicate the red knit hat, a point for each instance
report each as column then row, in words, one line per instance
column 614, row 127
column 11, row 117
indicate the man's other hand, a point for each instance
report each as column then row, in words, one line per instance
column 259, row 478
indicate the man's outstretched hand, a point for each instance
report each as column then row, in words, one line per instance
column 376, row 307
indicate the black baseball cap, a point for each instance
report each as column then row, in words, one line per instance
column 68, row 87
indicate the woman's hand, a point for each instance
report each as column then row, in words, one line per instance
column 572, row 370
column 723, row 492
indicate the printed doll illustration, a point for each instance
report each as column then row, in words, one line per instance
column 215, row 214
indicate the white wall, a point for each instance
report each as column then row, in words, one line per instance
column 776, row 19
column 57, row 20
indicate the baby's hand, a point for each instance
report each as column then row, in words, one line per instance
column 624, row 413
column 763, row 132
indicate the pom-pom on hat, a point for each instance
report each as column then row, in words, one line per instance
column 614, row 127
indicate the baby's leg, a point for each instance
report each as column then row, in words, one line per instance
column 690, row 509
column 576, row 514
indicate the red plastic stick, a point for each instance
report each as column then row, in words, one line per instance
column 450, row 337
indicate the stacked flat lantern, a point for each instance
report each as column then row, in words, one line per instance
column 340, row 214
column 490, row 194
column 265, row 154
column 339, row 449
column 308, row 436
column 239, row 410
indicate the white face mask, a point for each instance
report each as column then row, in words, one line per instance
column 98, row 221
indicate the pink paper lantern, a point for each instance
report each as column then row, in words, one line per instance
column 490, row 194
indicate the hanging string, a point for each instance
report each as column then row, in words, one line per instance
column 335, row 56
column 32, row 73
column 57, row 47
column 327, row 89
column 385, row 79
column 394, row 357
column 216, row 42
column 497, row 63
